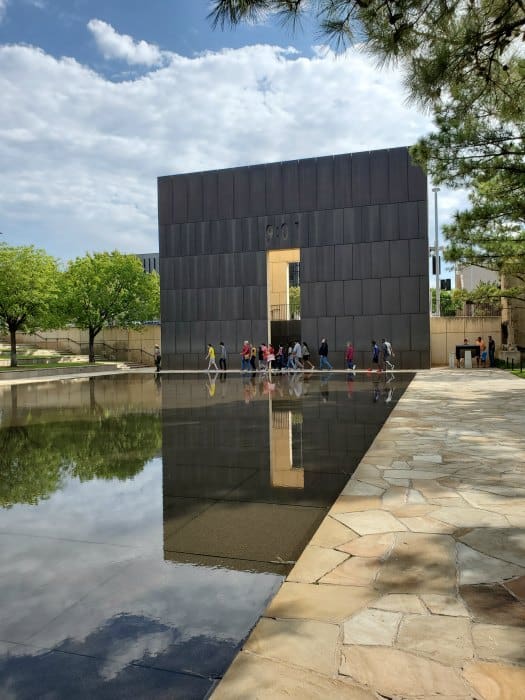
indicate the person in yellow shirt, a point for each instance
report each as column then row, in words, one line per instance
column 211, row 357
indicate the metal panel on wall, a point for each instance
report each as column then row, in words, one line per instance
column 307, row 184
column 343, row 262
column 390, row 296
column 409, row 293
column 362, row 261
column 371, row 224
column 344, row 331
column 274, row 188
column 195, row 197
column 325, row 262
column 290, row 171
column 380, row 253
column 417, row 183
column 210, row 195
column 379, row 192
column 325, row 183
column 164, row 200
column 225, row 193
column 399, row 258
column 400, row 337
column 353, row 225
column 419, row 329
column 343, row 181
column 353, row 297
column 179, row 199
column 334, row 298
column 241, row 193
column 382, row 328
column 360, row 179
column 398, row 174
column 257, row 181
column 371, row 297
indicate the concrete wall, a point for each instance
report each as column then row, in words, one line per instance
column 130, row 345
column 360, row 221
column 448, row 331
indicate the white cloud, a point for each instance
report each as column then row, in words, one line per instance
column 81, row 154
column 122, row 46
column 3, row 7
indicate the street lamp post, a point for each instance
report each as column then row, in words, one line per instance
column 435, row 190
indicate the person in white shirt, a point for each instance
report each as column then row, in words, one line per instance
column 298, row 355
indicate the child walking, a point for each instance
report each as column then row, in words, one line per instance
column 211, row 357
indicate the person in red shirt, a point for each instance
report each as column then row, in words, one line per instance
column 349, row 355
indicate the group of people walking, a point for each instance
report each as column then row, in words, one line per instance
column 382, row 355
column 295, row 357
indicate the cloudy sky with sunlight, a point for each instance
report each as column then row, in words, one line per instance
column 98, row 101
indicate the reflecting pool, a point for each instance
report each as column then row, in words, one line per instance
column 146, row 522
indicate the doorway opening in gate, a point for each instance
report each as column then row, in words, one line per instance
column 284, row 296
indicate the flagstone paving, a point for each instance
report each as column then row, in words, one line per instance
column 414, row 585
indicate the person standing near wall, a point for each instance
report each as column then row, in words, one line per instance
column 223, row 359
column 482, row 352
column 492, row 351
column 157, row 357
column 323, row 355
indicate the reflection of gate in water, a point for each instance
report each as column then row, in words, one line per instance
column 286, row 448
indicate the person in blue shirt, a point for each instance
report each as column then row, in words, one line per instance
column 375, row 355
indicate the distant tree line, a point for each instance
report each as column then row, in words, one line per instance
column 91, row 292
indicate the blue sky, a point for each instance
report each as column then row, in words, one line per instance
column 100, row 98
column 59, row 28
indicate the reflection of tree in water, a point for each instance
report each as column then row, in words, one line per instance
column 36, row 460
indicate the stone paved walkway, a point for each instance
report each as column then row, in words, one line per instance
column 414, row 585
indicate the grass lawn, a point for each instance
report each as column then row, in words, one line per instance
column 46, row 365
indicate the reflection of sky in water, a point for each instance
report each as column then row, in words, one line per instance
column 117, row 511
column 83, row 572
column 89, row 606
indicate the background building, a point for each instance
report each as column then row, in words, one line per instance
column 150, row 261
column 355, row 223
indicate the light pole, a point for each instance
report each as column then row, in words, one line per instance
column 435, row 190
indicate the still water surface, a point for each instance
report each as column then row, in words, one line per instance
column 145, row 523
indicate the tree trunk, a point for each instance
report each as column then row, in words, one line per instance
column 12, row 333
column 91, row 345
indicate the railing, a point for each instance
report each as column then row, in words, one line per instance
column 149, row 357
column 54, row 342
column 474, row 309
column 284, row 312
column 102, row 349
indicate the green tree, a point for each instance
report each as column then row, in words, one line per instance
column 103, row 289
column 450, row 302
column 464, row 62
column 295, row 302
column 37, row 459
column 29, row 289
